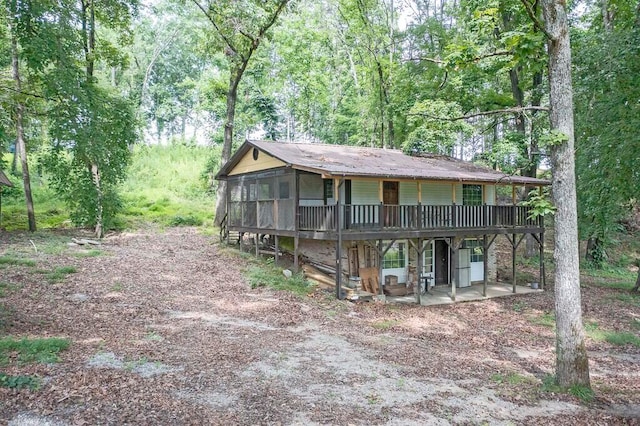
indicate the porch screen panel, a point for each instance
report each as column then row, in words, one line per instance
column 266, row 214
column 286, row 215
column 311, row 190
column 285, row 212
column 249, row 198
column 235, row 203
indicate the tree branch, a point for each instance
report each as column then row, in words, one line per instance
column 536, row 22
column 516, row 110
column 33, row 95
column 475, row 59
column 226, row 39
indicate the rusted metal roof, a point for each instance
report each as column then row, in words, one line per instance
column 4, row 180
column 342, row 160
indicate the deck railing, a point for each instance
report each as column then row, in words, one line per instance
column 413, row 217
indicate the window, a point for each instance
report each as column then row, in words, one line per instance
column 472, row 195
column 476, row 249
column 328, row 189
column 395, row 258
column 427, row 258
column 284, row 189
column 265, row 189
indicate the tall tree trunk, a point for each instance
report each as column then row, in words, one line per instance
column 572, row 364
column 95, row 176
column 21, row 147
column 232, row 97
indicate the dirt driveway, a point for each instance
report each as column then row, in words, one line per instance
column 165, row 330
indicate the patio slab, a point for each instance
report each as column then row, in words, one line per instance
column 441, row 295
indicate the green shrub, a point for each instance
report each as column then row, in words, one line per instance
column 19, row 382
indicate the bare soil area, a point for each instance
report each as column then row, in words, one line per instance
column 165, row 330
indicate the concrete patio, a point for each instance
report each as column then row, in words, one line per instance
column 441, row 295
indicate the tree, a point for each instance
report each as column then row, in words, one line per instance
column 19, row 113
column 606, row 64
column 572, row 364
column 241, row 27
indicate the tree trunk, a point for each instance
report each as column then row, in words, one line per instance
column 572, row 364
column 232, row 97
column 95, row 175
column 21, row 147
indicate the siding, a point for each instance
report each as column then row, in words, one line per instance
column 364, row 192
column 458, row 193
column 247, row 164
column 490, row 194
column 434, row 193
column 408, row 193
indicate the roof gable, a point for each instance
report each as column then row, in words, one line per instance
column 341, row 160
column 4, row 180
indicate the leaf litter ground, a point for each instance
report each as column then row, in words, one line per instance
column 165, row 330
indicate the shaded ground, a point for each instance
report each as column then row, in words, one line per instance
column 165, row 330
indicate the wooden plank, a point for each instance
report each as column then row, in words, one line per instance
column 370, row 280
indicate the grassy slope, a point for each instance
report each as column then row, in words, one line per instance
column 164, row 185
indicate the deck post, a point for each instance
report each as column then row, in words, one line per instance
column 418, row 290
column 542, row 260
column 277, row 244
column 381, row 253
column 240, row 239
column 513, row 262
column 256, row 240
column 454, row 267
column 296, row 241
column 485, row 264
column 339, row 244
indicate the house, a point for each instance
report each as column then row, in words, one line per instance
column 422, row 221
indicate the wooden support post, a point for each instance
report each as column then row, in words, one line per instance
column 485, row 265
column 240, row 239
column 256, row 240
column 513, row 262
column 381, row 254
column 418, row 289
column 296, row 241
column 277, row 244
column 454, row 267
column 339, row 269
column 542, row 278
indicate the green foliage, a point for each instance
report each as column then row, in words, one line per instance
column 8, row 260
column 614, row 337
column 19, row 382
column 58, row 274
column 607, row 64
column 6, row 287
column 97, row 143
column 263, row 274
column 583, row 393
column 385, row 324
column 436, row 127
column 540, row 204
column 553, row 139
column 185, row 221
column 32, row 350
